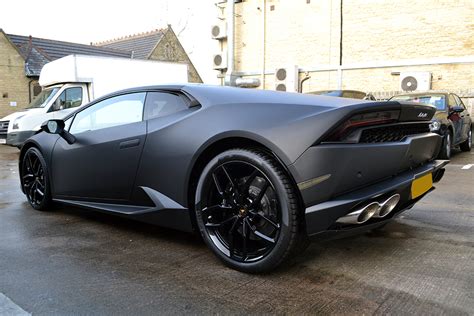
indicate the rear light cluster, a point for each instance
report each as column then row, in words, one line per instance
column 362, row 120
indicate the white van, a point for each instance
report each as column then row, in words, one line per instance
column 75, row 80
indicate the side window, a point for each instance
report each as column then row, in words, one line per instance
column 119, row 110
column 160, row 104
column 69, row 98
column 73, row 97
column 459, row 101
column 451, row 101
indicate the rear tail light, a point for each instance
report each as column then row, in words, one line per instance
column 362, row 120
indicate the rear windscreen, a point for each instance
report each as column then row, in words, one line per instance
column 439, row 101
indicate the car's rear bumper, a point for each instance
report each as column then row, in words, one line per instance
column 18, row 138
column 321, row 218
column 328, row 170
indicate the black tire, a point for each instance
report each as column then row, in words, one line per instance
column 445, row 152
column 467, row 144
column 256, row 208
column 35, row 179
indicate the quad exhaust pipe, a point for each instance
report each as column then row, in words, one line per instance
column 371, row 210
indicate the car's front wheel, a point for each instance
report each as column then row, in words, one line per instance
column 247, row 210
column 35, row 180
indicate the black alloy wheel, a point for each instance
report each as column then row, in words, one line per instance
column 246, row 210
column 34, row 179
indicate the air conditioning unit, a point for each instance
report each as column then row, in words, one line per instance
column 219, row 31
column 415, row 80
column 220, row 61
column 286, row 79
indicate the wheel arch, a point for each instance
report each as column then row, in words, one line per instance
column 27, row 145
column 222, row 144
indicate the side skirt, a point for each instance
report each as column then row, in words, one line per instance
column 166, row 212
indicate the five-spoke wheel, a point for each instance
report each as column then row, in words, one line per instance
column 246, row 210
column 34, row 179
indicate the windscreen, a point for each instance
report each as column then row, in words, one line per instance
column 43, row 98
column 438, row 100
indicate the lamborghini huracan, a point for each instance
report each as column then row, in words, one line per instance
column 257, row 173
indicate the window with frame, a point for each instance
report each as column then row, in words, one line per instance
column 459, row 101
column 159, row 104
column 69, row 98
column 451, row 101
column 115, row 111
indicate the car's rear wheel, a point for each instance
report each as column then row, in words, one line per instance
column 247, row 210
column 35, row 180
column 467, row 145
column 445, row 152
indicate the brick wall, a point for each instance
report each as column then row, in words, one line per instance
column 307, row 34
column 13, row 82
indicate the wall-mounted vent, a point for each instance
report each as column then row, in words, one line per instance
column 219, row 31
column 220, row 61
column 286, row 79
column 415, row 81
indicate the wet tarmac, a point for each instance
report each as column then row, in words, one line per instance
column 73, row 261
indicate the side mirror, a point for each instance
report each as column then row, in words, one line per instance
column 57, row 127
column 456, row 109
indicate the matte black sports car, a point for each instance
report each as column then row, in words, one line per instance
column 256, row 172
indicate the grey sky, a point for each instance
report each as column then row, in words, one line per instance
column 94, row 20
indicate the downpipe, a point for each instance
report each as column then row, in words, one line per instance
column 371, row 210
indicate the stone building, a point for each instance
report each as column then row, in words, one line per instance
column 23, row 57
column 361, row 45
column 161, row 44
column 21, row 61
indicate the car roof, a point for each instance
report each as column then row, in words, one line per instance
column 213, row 94
column 424, row 93
column 336, row 90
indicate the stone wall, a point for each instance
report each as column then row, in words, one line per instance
column 13, row 83
column 170, row 49
column 307, row 33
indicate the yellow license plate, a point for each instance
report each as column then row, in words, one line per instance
column 421, row 185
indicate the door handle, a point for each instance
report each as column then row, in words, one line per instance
column 129, row 143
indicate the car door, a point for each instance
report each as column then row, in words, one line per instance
column 162, row 109
column 466, row 119
column 456, row 119
column 102, row 162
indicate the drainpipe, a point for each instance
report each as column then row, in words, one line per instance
column 339, row 70
column 230, row 77
column 264, row 12
column 300, row 86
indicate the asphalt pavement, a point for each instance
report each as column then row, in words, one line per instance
column 73, row 261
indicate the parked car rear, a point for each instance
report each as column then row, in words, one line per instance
column 451, row 120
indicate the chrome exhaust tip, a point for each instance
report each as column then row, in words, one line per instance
column 388, row 206
column 360, row 216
